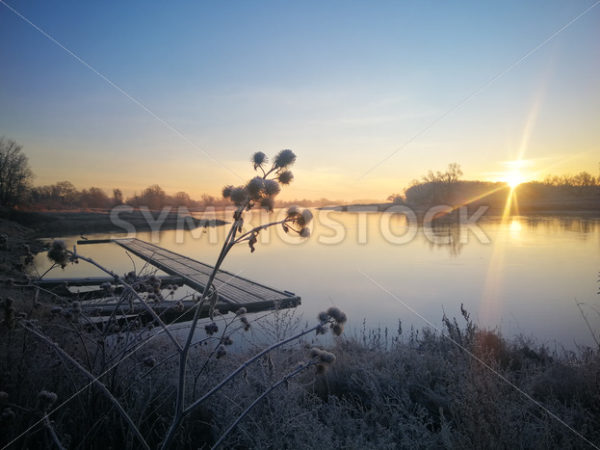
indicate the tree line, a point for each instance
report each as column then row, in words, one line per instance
column 447, row 188
column 17, row 190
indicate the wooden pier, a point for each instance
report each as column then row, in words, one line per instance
column 233, row 291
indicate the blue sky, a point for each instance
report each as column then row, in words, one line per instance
column 344, row 84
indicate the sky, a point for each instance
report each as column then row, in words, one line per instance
column 369, row 95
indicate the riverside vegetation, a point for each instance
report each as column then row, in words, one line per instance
column 68, row 382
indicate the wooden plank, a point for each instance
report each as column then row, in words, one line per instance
column 93, row 241
column 233, row 289
column 172, row 312
column 97, row 281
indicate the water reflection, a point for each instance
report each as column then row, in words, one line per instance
column 522, row 281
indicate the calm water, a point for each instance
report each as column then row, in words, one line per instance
column 522, row 275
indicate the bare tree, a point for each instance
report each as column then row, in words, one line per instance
column 117, row 197
column 15, row 174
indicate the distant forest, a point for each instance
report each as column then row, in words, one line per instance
column 17, row 191
column 64, row 195
column 576, row 192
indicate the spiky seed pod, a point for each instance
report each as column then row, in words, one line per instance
column 221, row 352
column 46, row 399
column 255, row 187
column 239, row 195
column 338, row 329
column 272, row 187
column 7, row 415
column 267, row 203
column 304, row 218
column 285, row 177
column 337, row 314
column 227, row 191
column 321, row 329
column 241, row 311
column 293, row 211
column 211, row 328
column 305, row 233
column 284, row 159
column 327, row 357
column 315, row 352
column 323, row 316
column 150, row 361
column 58, row 253
column 258, row 159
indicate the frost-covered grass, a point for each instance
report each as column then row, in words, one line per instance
column 416, row 391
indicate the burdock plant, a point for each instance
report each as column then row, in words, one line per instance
column 260, row 192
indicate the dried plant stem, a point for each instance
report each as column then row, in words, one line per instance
column 137, row 296
column 54, row 265
column 587, row 322
column 274, row 386
column 52, row 432
column 179, row 402
column 227, row 379
column 94, row 380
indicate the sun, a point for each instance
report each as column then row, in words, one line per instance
column 513, row 179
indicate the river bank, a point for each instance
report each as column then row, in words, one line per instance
column 461, row 386
column 65, row 223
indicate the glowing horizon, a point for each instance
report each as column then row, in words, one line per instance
column 369, row 100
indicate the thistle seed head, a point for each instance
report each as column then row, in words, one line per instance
column 46, row 399
column 337, row 314
column 58, row 253
column 239, row 195
column 293, row 211
column 227, row 191
column 285, row 177
column 267, row 203
column 284, row 159
column 258, row 159
column 255, row 187
column 272, row 187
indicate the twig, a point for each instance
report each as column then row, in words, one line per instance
column 137, row 296
column 49, row 269
column 94, row 380
column 55, row 438
column 272, row 347
column 259, row 398
column 587, row 322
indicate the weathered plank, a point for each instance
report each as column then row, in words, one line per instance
column 96, row 281
column 233, row 290
column 172, row 312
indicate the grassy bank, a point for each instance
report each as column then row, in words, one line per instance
column 420, row 391
column 464, row 387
